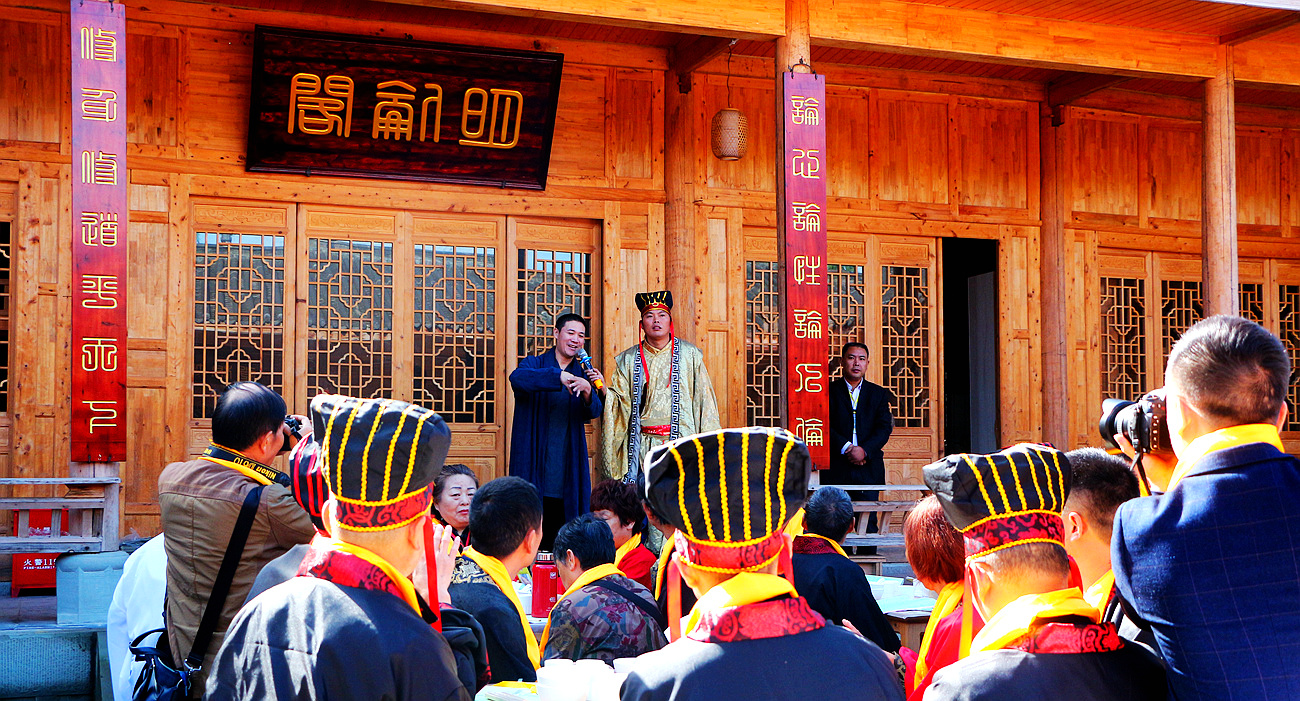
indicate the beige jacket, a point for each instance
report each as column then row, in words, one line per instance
column 200, row 503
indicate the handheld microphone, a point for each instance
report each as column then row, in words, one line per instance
column 584, row 360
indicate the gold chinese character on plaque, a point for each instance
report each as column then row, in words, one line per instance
column 805, row 110
column 316, row 113
column 810, row 377
column 98, row 44
column 98, row 168
column 806, row 164
column 436, row 99
column 99, row 105
column 810, row 431
column 100, row 291
column 807, row 216
column 105, row 413
column 507, row 111
column 394, row 114
column 99, row 354
column 807, row 323
column 807, row 270
column 99, row 229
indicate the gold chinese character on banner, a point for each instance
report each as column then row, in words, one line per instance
column 810, row 431
column 807, row 216
column 314, row 113
column 105, row 413
column 99, row 105
column 806, row 164
column 436, row 99
column 99, row 229
column 805, row 110
column 507, row 111
column 99, row 354
column 98, row 44
column 100, row 291
column 807, row 270
column 98, row 168
column 807, row 323
column 810, row 377
column 394, row 115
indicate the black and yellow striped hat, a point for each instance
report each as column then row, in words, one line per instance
column 654, row 300
column 729, row 493
column 379, row 457
column 1011, row 497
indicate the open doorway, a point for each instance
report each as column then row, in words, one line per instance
column 970, row 348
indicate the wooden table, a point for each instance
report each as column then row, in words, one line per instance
column 887, row 533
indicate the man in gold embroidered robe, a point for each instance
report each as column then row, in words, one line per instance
column 664, row 378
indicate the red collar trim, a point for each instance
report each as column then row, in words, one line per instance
column 767, row 619
column 1071, row 638
column 346, row 570
column 804, row 545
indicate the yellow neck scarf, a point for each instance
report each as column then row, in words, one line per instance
column 587, row 577
column 664, row 556
column 501, row 578
column 1221, row 439
column 744, row 588
column 632, row 544
column 1099, row 593
column 1014, row 621
column 949, row 600
column 794, row 527
column 838, row 549
column 403, row 583
column 250, row 474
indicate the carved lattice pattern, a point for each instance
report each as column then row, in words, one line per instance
column 1123, row 338
column 551, row 284
column 5, row 306
column 238, row 314
column 350, row 318
column 846, row 304
column 762, row 344
column 1252, row 301
column 455, row 332
column 905, row 342
column 1180, row 307
column 1289, row 331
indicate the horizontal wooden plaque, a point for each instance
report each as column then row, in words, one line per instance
column 331, row 104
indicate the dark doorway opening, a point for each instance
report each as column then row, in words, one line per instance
column 970, row 345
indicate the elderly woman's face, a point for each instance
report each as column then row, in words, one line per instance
column 457, row 493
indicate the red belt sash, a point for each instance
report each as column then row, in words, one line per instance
column 664, row 430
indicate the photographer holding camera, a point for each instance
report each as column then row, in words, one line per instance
column 201, row 502
column 1212, row 566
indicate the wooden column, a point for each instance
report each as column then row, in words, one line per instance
column 1056, row 383
column 1219, row 193
column 681, row 217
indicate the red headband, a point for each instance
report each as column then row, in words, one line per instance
column 730, row 557
column 1014, row 529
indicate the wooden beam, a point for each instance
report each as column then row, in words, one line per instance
column 691, row 53
column 1076, row 86
column 1251, row 33
column 1054, row 279
column 1219, row 193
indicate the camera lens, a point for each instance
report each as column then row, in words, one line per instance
column 1111, row 419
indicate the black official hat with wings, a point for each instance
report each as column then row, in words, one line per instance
column 662, row 299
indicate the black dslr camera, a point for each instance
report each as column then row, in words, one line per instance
column 1143, row 422
column 295, row 429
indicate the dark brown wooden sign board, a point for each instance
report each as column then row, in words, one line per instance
column 333, row 104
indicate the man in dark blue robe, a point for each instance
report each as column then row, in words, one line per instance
column 554, row 400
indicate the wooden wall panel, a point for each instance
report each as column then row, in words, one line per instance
column 34, row 81
column 1104, row 172
column 638, row 129
column 847, row 142
column 151, row 87
column 217, row 86
column 1174, row 155
column 756, row 171
column 1259, row 178
column 579, row 146
column 1018, row 324
column 1083, row 330
column 992, row 140
column 909, row 148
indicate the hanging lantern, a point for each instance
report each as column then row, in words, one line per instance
column 730, row 134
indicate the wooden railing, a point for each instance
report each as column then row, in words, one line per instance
column 92, row 516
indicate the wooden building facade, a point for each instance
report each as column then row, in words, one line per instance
column 1021, row 124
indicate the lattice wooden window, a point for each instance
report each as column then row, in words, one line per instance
column 846, row 302
column 762, row 344
column 5, row 268
column 1252, row 301
column 455, row 332
column 905, row 342
column 551, row 284
column 1123, row 337
column 350, row 318
column 1180, row 307
column 1289, row 332
column 238, row 314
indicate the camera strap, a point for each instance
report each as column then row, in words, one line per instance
column 264, row 474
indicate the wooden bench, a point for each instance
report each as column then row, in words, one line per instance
column 889, row 521
column 92, row 516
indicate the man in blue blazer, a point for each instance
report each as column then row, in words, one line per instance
column 1212, row 566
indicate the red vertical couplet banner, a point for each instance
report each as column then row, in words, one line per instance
column 99, row 231
column 804, row 314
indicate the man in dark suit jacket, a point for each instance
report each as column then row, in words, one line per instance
column 860, row 425
column 1213, row 564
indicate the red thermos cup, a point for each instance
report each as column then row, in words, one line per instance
column 546, row 585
